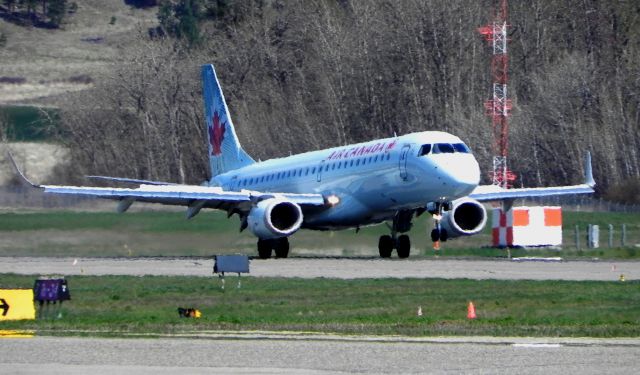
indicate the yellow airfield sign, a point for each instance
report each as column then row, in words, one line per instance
column 17, row 304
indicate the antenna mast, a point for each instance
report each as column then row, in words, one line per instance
column 499, row 105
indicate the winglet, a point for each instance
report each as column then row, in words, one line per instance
column 23, row 178
column 588, row 171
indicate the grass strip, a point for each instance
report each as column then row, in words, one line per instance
column 155, row 233
column 120, row 305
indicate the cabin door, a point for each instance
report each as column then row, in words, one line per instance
column 404, row 156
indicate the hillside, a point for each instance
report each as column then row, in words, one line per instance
column 54, row 62
column 338, row 72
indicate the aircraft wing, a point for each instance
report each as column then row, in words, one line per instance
column 494, row 193
column 193, row 196
column 182, row 194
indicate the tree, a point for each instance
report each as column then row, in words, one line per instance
column 346, row 71
column 56, row 11
column 10, row 4
column 181, row 19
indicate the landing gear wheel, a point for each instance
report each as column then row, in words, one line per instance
column 404, row 246
column 435, row 235
column 264, row 249
column 281, row 246
column 385, row 246
column 444, row 235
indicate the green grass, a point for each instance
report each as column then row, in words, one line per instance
column 155, row 233
column 120, row 305
column 26, row 123
column 149, row 221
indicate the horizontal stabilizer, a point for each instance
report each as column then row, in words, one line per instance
column 129, row 180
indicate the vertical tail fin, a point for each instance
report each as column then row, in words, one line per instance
column 225, row 152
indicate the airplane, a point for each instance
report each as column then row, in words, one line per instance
column 389, row 180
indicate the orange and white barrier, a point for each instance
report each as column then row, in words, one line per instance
column 527, row 226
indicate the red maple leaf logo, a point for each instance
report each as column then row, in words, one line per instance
column 216, row 134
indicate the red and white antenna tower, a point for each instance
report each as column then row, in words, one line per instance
column 499, row 105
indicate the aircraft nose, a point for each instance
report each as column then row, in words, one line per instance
column 464, row 175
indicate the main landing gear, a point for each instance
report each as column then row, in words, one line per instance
column 387, row 243
column 402, row 243
column 280, row 245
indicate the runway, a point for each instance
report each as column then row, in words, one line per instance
column 343, row 268
column 317, row 355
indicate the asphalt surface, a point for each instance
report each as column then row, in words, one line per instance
column 344, row 268
column 317, row 355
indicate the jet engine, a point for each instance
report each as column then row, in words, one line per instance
column 274, row 218
column 465, row 218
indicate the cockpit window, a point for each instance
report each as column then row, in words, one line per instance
column 424, row 150
column 461, row 147
column 443, row 148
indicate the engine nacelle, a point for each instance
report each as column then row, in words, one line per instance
column 465, row 218
column 274, row 218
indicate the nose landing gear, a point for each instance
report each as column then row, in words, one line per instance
column 438, row 233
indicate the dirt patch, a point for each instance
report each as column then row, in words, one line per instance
column 85, row 45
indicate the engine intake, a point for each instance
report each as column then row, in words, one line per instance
column 466, row 217
column 274, row 218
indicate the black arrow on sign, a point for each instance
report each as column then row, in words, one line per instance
column 4, row 306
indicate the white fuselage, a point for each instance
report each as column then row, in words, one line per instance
column 372, row 180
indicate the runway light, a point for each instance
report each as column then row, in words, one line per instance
column 333, row 200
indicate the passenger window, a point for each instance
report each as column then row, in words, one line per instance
column 424, row 150
column 313, row 170
column 375, row 160
column 388, row 156
column 351, row 164
column 357, row 162
column 326, row 168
